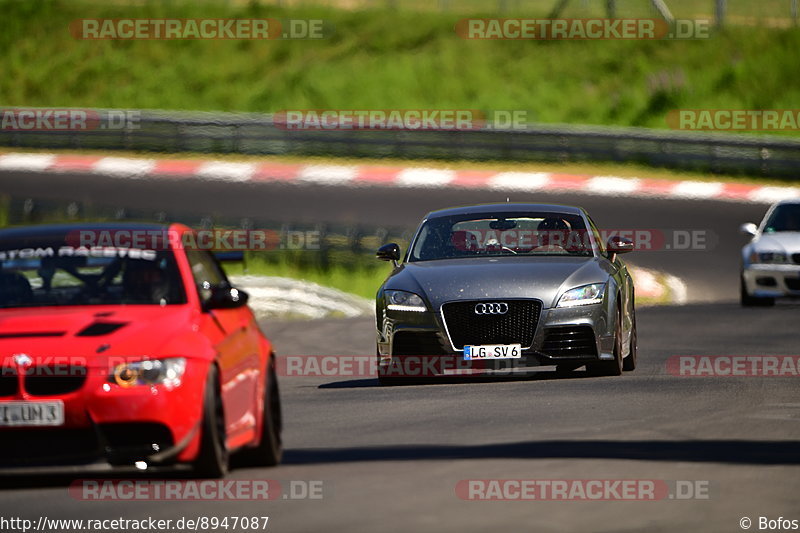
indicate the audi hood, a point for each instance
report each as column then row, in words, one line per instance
column 481, row 278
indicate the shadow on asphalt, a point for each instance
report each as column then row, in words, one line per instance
column 31, row 479
column 451, row 380
column 699, row 451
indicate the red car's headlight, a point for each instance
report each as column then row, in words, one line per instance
column 166, row 372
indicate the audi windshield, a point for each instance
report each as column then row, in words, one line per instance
column 478, row 235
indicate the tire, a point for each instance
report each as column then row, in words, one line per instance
column 388, row 382
column 382, row 380
column 611, row 368
column 270, row 448
column 752, row 301
column 629, row 363
column 213, row 459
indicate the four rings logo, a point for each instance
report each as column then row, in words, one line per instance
column 492, row 308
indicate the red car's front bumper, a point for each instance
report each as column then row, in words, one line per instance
column 104, row 422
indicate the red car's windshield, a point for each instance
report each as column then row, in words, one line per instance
column 57, row 274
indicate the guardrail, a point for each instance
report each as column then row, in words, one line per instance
column 162, row 131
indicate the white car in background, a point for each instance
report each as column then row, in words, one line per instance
column 771, row 260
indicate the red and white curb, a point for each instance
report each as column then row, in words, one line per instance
column 658, row 287
column 389, row 176
column 277, row 297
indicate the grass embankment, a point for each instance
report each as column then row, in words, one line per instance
column 383, row 59
column 361, row 277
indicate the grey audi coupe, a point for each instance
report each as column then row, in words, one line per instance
column 506, row 286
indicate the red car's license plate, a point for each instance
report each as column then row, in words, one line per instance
column 32, row 413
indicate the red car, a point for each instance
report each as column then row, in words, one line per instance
column 140, row 355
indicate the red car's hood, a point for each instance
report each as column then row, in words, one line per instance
column 87, row 332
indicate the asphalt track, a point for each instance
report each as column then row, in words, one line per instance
column 390, row 458
column 710, row 271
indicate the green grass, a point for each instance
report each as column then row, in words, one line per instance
column 387, row 59
column 361, row 279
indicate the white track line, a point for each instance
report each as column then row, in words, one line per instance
column 124, row 167
column 771, row 195
column 612, row 185
column 328, row 174
column 424, row 177
column 697, row 189
column 224, row 171
column 519, row 181
column 27, row 162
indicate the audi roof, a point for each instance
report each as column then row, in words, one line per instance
column 504, row 207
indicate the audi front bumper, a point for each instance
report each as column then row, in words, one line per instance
column 571, row 336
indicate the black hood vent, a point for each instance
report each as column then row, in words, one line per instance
column 98, row 329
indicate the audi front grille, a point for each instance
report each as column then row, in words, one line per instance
column 416, row 343
column 516, row 326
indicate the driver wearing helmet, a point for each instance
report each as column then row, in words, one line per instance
column 144, row 282
column 553, row 233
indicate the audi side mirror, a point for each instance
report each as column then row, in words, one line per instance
column 389, row 252
column 748, row 229
column 619, row 245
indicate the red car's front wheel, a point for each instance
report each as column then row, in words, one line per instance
column 270, row 449
column 212, row 461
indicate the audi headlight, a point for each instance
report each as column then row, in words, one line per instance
column 166, row 372
column 404, row 301
column 583, row 295
column 768, row 257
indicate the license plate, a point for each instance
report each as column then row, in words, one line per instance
column 493, row 351
column 32, row 413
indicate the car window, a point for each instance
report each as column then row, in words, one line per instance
column 56, row 273
column 205, row 269
column 600, row 244
column 784, row 218
column 524, row 233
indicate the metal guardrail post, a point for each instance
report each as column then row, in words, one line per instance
column 720, row 6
